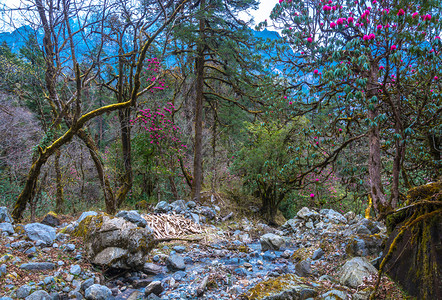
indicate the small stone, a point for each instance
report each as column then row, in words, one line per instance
column 23, row 291
column 7, row 227
column 98, row 292
column 4, row 215
column 286, row 254
column 175, row 262
column 132, row 216
column 39, row 295
column 317, row 254
column 37, row 266
column 86, row 284
column 156, row 258
column 31, row 250
column 155, row 287
column 69, row 277
column 60, row 263
column 162, row 207
column 152, row 269
column 179, row 249
column 240, row 272
column 303, row 268
column 271, row 241
column 51, row 219
column 2, row 270
column 75, row 270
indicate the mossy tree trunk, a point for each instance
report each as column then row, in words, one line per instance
column 58, row 180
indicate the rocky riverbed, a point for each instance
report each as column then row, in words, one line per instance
column 319, row 254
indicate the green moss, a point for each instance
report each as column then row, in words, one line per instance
column 87, row 224
column 300, row 254
column 425, row 192
column 273, row 286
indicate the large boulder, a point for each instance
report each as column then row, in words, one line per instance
column 51, row 219
column 306, row 213
column 355, row 270
column 38, row 231
column 414, row 246
column 114, row 242
column 4, row 215
column 6, row 227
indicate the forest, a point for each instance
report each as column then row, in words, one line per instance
column 336, row 105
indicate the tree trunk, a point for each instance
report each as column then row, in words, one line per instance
column 374, row 165
column 197, row 161
column 109, row 198
column 59, row 193
column 126, row 178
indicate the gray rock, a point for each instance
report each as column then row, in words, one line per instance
column 51, row 220
column 86, row 214
column 363, row 245
column 114, row 242
column 6, row 298
column 208, row 212
column 38, row 231
column 70, row 247
column 162, row 207
column 98, row 292
column 3, row 270
column 132, row 216
column 334, row 295
column 6, row 227
column 178, row 206
column 75, row 270
column 152, row 269
column 350, row 216
column 36, row 266
column 175, row 262
column 86, row 284
column 155, row 287
column 270, row 241
column 31, row 250
column 361, row 229
column 191, row 204
column 23, row 291
column 4, row 215
column 292, row 224
column 39, row 295
column 195, row 218
column 317, row 254
column 305, row 213
column 179, row 249
column 371, row 225
column 303, row 268
column 333, row 216
column 355, row 270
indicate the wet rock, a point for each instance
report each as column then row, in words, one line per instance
column 132, row 216
column 4, row 215
column 51, row 219
column 6, row 227
column 155, row 287
column 115, row 242
column 179, row 249
column 355, row 270
column 35, row 266
column 86, row 284
column 98, row 292
column 39, row 295
column 38, row 231
column 162, row 207
column 175, row 262
column 271, row 241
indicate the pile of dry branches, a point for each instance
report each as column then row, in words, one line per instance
column 171, row 225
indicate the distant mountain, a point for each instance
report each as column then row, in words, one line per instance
column 17, row 38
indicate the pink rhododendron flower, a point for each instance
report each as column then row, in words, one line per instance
column 309, row 40
column 371, row 36
column 379, row 27
column 401, row 12
column 340, row 21
column 312, row 195
column 332, row 24
column 436, row 78
column 415, row 15
column 393, row 47
column 316, row 71
column 350, row 20
column 365, row 37
column 381, row 67
column 340, row 129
